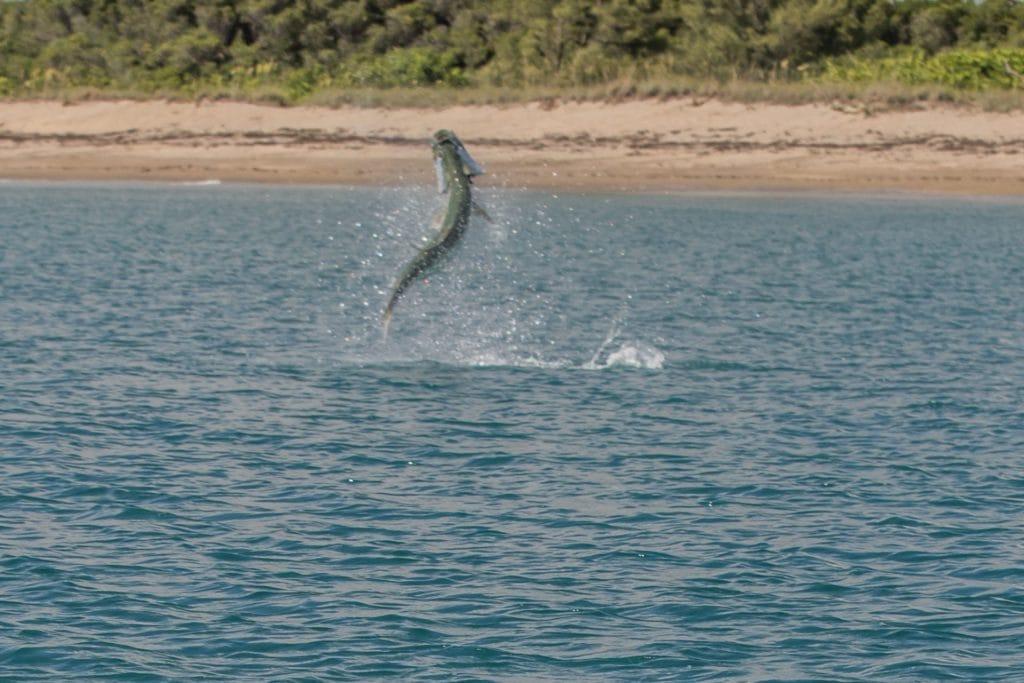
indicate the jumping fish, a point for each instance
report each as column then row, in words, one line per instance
column 455, row 169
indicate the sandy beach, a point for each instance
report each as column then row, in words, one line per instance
column 642, row 145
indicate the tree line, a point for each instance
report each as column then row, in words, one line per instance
column 171, row 44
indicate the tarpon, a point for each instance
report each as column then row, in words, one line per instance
column 455, row 170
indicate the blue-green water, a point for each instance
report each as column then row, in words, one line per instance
column 626, row 438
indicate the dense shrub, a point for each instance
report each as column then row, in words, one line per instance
column 302, row 46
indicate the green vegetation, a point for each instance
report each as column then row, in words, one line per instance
column 328, row 51
column 971, row 69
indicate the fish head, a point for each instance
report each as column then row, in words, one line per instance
column 446, row 137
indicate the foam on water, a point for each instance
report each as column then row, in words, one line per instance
column 636, row 355
column 498, row 360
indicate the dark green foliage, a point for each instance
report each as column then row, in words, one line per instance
column 305, row 45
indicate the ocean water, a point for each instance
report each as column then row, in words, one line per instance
column 614, row 438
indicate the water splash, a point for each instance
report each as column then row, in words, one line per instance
column 630, row 354
column 613, row 332
column 636, row 355
column 510, row 296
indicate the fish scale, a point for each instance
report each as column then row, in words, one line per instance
column 455, row 169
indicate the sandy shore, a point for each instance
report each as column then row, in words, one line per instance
column 635, row 146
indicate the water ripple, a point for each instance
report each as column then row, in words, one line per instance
column 794, row 457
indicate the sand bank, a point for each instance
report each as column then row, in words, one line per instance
column 644, row 145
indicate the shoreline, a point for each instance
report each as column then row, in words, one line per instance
column 646, row 146
column 808, row 193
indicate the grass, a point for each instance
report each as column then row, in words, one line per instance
column 869, row 97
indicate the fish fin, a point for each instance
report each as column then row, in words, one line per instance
column 479, row 211
column 437, row 220
column 426, row 241
column 442, row 181
column 469, row 164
